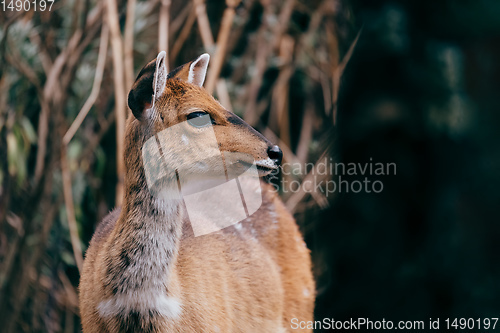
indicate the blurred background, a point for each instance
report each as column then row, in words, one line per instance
column 410, row 82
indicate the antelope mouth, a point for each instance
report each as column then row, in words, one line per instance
column 264, row 167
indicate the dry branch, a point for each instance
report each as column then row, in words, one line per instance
column 96, row 87
column 223, row 94
column 16, row 61
column 220, row 51
column 305, row 133
column 42, row 52
column 265, row 46
column 128, row 44
column 66, row 174
column 207, row 37
column 307, row 188
column 70, row 210
column 337, row 74
column 31, row 247
column 263, row 50
column 163, row 23
column 177, row 22
column 183, row 36
column 204, row 25
column 120, row 107
column 279, row 117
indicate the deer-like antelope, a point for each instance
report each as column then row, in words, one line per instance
column 145, row 271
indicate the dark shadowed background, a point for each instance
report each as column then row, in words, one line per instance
column 411, row 83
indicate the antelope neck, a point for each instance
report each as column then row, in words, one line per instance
column 142, row 251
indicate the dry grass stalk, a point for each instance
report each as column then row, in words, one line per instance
column 204, row 25
column 23, row 68
column 265, row 47
column 307, row 188
column 223, row 94
column 57, row 79
column 42, row 52
column 283, row 21
column 207, row 37
column 163, row 23
column 337, row 74
column 262, row 52
column 220, row 52
column 70, row 209
column 128, row 44
column 66, row 174
column 41, row 198
column 71, row 294
column 177, row 22
column 279, row 116
column 120, row 95
column 305, row 133
column 96, row 87
column 183, row 36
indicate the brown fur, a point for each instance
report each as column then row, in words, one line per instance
column 254, row 277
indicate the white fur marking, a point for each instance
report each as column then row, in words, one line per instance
column 202, row 165
column 184, row 139
column 168, row 200
column 140, row 301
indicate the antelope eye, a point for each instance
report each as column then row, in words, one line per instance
column 199, row 119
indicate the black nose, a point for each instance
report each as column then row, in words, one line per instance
column 275, row 154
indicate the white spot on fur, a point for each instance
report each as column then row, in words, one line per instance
column 238, row 226
column 306, row 292
column 140, row 301
column 273, row 215
column 184, row 139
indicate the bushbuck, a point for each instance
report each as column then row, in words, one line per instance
column 146, row 271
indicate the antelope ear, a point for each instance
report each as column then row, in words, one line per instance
column 193, row 72
column 198, row 70
column 149, row 86
column 161, row 76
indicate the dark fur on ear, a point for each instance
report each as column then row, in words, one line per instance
column 180, row 73
column 140, row 96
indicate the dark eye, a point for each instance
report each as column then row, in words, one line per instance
column 199, row 119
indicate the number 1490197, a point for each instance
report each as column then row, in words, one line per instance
column 26, row 5
column 471, row 323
